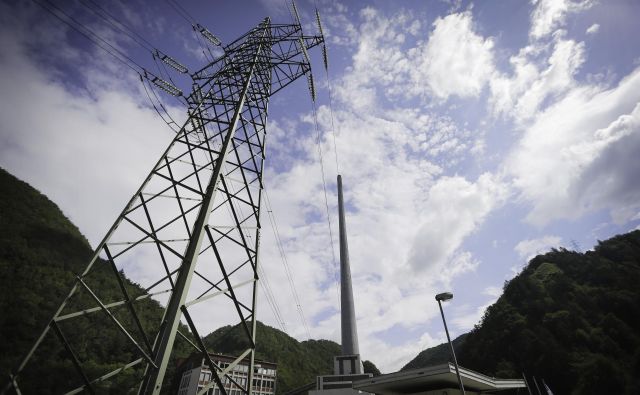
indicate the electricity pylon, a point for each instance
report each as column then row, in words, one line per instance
column 190, row 232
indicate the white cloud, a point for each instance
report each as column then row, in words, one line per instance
column 592, row 133
column 549, row 15
column 409, row 211
column 522, row 95
column 465, row 317
column 593, row 29
column 493, row 291
column 455, row 208
column 454, row 61
column 527, row 249
column 72, row 150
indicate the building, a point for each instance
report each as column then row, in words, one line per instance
column 439, row 380
column 197, row 376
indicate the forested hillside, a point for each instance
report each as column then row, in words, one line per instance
column 298, row 362
column 41, row 252
column 570, row 318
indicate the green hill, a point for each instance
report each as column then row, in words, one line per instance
column 298, row 362
column 570, row 318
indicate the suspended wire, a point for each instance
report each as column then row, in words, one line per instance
column 163, row 107
column 91, row 36
column 285, row 262
column 182, row 11
column 333, row 127
column 107, row 47
column 203, row 46
column 193, row 22
column 266, row 288
column 115, row 23
column 326, row 70
column 265, row 284
column 164, row 73
column 326, row 199
column 133, row 35
column 170, row 123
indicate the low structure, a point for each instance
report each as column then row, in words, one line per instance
column 438, row 380
column 196, row 376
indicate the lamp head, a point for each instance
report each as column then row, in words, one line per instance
column 444, row 296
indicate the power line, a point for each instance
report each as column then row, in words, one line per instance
column 326, row 199
column 91, row 36
column 285, row 262
column 169, row 123
column 182, row 11
column 333, row 127
column 197, row 28
column 115, row 23
column 155, row 53
column 265, row 284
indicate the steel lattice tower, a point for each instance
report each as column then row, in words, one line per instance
column 194, row 219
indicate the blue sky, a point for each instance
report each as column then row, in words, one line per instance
column 470, row 135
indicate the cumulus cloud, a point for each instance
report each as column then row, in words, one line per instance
column 455, row 208
column 76, row 127
column 523, row 94
column 455, row 60
column 588, row 131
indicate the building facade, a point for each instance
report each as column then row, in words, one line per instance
column 197, row 376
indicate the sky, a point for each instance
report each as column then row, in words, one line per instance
column 471, row 136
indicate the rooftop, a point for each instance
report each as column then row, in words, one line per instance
column 433, row 378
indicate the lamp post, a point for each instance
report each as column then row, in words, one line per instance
column 443, row 297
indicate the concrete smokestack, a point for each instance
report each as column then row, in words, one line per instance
column 348, row 312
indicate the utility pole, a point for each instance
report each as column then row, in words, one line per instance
column 192, row 229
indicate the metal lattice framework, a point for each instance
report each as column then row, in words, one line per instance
column 190, row 234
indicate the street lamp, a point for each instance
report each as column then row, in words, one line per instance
column 443, row 297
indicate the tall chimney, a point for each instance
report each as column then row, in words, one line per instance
column 348, row 313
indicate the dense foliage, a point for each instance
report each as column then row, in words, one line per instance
column 298, row 362
column 41, row 252
column 570, row 318
column 369, row 367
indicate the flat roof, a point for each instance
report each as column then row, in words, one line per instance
column 432, row 378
